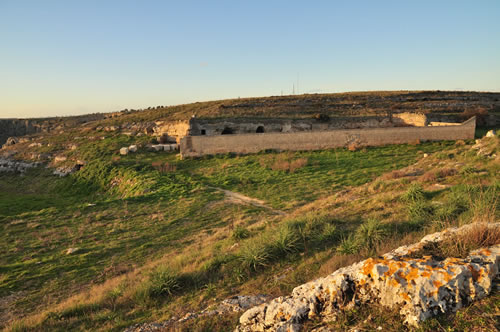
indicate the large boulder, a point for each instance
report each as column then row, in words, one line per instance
column 419, row 287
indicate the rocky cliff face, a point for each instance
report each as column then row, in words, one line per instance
column 19, row 127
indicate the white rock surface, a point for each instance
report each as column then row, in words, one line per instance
column 132, row 148
column 419, row 287
column 59, row 159
column 157, row 147
column 9, row 165
column 490, row 133
column 124, row 151
column 70, row 251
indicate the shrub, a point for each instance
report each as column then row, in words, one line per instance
column 281, row 165
column 348, row 246
column 396, row 174
column 414, row 193
column 240, row 233
column 420, row 210
column 254, row 255
column 297, row 163
column 467, row 170
column 287, row 241
column 479, row 236
column 484, row 204
column 429, row 176
column 445, row 172
column 370, row 233
column 163, row 281
column 329, row 232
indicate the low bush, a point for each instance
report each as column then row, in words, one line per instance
column 287, row 241
column 163, row 282
column 414, row 193
column 240, row 233
column 468, row 170
column 429, row 176
column 255, row 254
column 420, row 211
column 348, row 246
column 396, row 174
column 445, row 172
column 369, row 234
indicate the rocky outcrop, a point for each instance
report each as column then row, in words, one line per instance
column 12, row 128
column 232, row 304
column 8, row 165
column 419, row 287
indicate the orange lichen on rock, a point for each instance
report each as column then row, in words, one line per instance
column 446, row 276
column 437, row 283
column 405, row 296
column 369, row 264
column 485, row 252
column 475, row 274
column 412, row 274
column 394, row 282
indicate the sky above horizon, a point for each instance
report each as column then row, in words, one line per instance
column 77, row 57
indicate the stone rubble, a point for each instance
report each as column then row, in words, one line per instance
column 64, row 171
column 232, row 304
column 419, row 287
column 8, row 165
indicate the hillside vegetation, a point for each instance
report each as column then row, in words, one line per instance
column 149, row 237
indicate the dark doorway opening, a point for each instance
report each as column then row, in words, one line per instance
column 227, row 131
column 260, row 129
column 203, row 132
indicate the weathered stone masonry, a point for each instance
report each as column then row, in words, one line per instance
column 194, row 146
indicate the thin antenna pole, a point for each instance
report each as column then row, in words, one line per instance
column 293, row 88
column 298, row 83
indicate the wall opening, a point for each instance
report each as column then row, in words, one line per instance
column 227, row 131
column 260, row 129
column 203, row 132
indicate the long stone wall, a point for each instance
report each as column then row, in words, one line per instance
column 194, row 146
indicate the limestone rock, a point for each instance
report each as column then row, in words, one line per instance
column 132, row 148
column 11, row 141
column 59, row 159
column 490, row 133
column 419, row 287
column 70, row 251
column 124, row 151
column 157, row 147
column 9, row 165
column 64, row 171
column 232, row 304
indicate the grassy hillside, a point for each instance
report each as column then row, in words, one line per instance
column 335, row 104
column 155, row 237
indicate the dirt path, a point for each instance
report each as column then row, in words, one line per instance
column 238, row 198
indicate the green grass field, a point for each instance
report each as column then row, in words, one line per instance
column 130, row 216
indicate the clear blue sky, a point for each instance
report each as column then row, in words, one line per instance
column 74, row 57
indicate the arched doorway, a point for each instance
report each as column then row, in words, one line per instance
column 227, row 131
column 260, row 129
